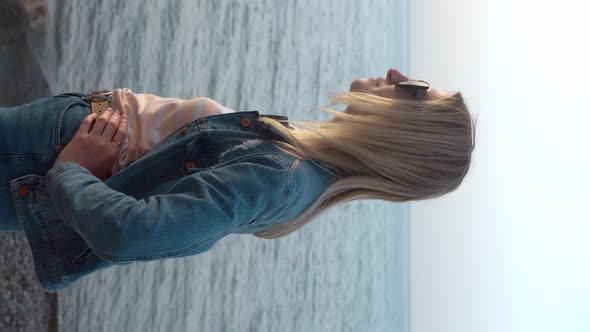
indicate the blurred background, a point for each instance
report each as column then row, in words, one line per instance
column 507, row 251
column 346, row 271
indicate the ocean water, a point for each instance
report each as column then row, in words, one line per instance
column 348, row 270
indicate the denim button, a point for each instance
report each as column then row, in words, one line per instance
column 24, row 191
column 245, row 121
column 191, row 164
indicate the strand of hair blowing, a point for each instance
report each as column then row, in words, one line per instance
column 392, row 150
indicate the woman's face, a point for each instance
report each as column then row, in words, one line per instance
column 387, row 87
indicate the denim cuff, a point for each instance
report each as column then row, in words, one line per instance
column 60, row 168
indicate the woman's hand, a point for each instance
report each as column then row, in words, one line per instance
column 92, row 146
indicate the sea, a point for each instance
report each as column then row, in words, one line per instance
column 348, row 270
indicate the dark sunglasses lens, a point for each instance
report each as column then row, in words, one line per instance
column 414, row 83
column 420, row 94
column 415, row 87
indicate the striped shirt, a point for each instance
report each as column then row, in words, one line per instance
column 153, row 118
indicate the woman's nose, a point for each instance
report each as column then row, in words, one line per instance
column 394, row 76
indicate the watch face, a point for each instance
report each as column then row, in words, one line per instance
column 100, row 95
column 99, row 92
column 99, row 98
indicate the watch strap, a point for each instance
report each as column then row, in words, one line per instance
column 99, row 100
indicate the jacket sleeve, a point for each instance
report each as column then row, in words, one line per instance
column 198, row 208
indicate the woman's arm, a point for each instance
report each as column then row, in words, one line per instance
column 201, row 206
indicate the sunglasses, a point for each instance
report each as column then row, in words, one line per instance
column 415, row 87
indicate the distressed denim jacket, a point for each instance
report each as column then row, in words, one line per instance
column 215, row 176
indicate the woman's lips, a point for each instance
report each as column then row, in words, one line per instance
column 379, row 81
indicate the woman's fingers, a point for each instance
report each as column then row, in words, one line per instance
column 122, row 129
column 111, row 125
column 86, row 123
column 101, row 123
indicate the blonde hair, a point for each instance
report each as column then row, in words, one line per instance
column 397, row 150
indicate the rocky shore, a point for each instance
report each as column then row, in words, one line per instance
column 24, row 306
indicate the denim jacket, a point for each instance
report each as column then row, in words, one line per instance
column 215, row 176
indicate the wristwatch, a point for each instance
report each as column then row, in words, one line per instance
column 99, row 100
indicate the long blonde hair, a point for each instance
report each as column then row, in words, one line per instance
column 397, row 150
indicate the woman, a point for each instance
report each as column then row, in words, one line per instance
column 148, row 181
